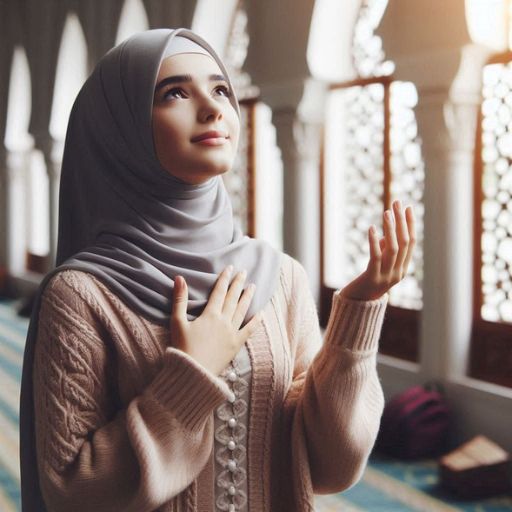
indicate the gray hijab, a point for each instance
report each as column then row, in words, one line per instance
column 127, row 221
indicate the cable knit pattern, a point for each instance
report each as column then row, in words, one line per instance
column 126, row 422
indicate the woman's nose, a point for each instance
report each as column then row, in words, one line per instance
column 209, row 110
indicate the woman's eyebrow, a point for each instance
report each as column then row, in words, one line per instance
column 186, row 78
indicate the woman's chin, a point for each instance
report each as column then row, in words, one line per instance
column 200, row 176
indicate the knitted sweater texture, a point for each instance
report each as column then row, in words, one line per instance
column 125, row 423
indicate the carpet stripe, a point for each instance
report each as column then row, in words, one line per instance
column 14, row 340
column 7, row 503
column 335, row 503
column 10, row 355
column 9, row 456
column 414, row 498
column 10, row 394
column 374, row 500
column 11, row 365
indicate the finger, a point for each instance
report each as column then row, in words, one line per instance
column 375, row 253
column 243, row 305
column 250, row 327
column 402, row 235
column 180, row 299
column 233, row 294
column 411, row 226
column 391, row 250
column 216, row 299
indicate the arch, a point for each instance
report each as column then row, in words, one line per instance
column 487, row 22
column 6, row 62
column 133, row 19
column 70, row 74
column 330, row 39
column 212, row 20
column 276, row 58
column 98, row 21
column 42, row 31
column 17, row 137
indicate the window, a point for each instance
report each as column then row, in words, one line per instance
column 371, row 157
column 491, row 340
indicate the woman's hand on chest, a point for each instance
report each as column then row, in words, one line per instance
column 214, row 338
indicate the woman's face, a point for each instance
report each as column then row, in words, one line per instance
column 192, row 98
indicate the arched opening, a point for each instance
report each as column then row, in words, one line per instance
column 133, row 19
column 18, row 142
column 70, row 75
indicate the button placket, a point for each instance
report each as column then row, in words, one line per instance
column 232, row 498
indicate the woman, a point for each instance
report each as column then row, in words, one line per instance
column 155, row 380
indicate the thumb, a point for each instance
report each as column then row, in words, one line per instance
column 179, row 307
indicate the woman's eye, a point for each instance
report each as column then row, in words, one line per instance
column 177, row 92
column 172, row 92
column 223, row 88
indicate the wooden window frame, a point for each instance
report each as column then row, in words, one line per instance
column 400, row 331
column 491, row 342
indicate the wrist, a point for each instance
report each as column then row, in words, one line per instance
column 347, row 294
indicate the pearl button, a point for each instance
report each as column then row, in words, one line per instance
column 231, row 445
column 232, row 490
column 232, row 422
column 231, row 465
column 232, row 508
column 232, row 376
column 232, row 398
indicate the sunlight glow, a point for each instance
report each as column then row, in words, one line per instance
column 488, row 22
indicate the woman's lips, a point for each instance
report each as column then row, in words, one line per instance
column 212, row 141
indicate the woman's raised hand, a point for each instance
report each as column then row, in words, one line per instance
column 214, row 338
column 389, row 256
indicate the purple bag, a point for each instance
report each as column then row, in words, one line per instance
column 415, row 423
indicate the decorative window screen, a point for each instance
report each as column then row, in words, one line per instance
column 372, row 156
column 491, row 356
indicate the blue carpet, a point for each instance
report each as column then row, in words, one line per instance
column 387, row 485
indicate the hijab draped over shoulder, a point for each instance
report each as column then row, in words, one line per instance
column 127, row 221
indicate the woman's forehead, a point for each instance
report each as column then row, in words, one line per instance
column 198, row 65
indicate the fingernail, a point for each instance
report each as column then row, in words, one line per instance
column 243, row 273
column 229, row 269
column 388, row 215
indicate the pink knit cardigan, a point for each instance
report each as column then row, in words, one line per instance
column 124, row 421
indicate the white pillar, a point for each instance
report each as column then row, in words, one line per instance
column 17, row 169
column 53, row 166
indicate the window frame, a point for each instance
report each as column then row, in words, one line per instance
column 490, row 357
column 401, row 328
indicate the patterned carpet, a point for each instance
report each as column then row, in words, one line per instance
column 386, row 486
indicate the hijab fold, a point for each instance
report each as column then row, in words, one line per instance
column 127, row 221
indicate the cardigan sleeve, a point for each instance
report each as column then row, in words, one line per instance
column 335, row 400
column 91, row 456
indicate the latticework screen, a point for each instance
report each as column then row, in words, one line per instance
column 496, row 186
column 372, row 156
column 357, row 185
column 491, row 348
